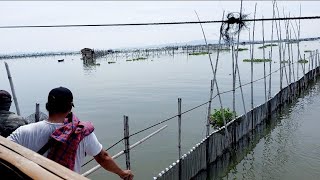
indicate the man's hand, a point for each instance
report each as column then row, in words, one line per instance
column 126, row 175
column 108, row 163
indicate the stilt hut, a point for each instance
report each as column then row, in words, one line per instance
column 88, row 55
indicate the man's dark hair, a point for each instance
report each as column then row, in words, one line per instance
column 60, row 100
column 5, row 100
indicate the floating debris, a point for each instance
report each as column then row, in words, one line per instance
column 307, row 51
column 60, row 60
column 198, row 53
column 257, row 60
column 267, row 45
column 137, row 59
column 111, row 62
column 303, row 61
column 242, row 49
column 232, row 26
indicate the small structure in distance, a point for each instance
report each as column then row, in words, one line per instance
column 88, row 55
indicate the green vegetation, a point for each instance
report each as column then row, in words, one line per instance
column 216, row 119
column 198, row 53
column 307, row 51
column 284, row 61
column 242, row 49
column 257, row 60
column 267, row 45
column 303, row 61
column 137, row 59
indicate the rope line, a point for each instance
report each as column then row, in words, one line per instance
column 153, row 24
column 106, row 150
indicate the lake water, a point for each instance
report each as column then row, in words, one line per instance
column 290, row 148
column 146, row 91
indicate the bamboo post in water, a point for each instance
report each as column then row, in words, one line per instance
column 289, row 54
column 252, row 53
column 314, row 67
column 299, row 54
column 179, row 134
column 233, row 83
column 122, row 152
column 209, row 109
column 270, row 52
column 278, row 28
column 291, row 50
column 270, row 57
column 264, row 63
column 304, row 69
column 12, row 89
column 237, row 68
column 126, row 141
column 310, row 62
column 37, row 114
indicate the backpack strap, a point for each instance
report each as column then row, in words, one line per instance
column 46, row 147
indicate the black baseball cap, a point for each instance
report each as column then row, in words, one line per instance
column 60, row 96
column 5, row 97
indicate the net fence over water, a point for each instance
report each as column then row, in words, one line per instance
column 206, row 153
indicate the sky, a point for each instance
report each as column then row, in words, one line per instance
column 104, row 12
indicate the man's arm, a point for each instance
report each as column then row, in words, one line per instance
column 109, row 164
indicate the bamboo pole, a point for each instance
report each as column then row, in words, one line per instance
column 289, row 59
column 37, row 114
column 264, row 64
column 252, row 52
column 270, row 57
column 214, row 71
column 237, row 67
column 122, row 152
column 310, row 61
column 209, row 108
column 280, row 48
column 12, row 89
column 270, row 53
column 179, row 135
column 126, row 141
column 233, row 82
column 292, row 62
column 179, row 127
column 299, row 54
column 314, row 67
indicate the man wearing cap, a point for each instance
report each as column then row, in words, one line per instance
column 48, row 137
column 9, row 121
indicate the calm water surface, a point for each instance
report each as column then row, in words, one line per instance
column 147, row 92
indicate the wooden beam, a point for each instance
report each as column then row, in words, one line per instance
column 47, row 164
column 27, row 167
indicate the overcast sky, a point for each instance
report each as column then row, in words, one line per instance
column 104, row 12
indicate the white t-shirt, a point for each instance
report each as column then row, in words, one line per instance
column 34, row 136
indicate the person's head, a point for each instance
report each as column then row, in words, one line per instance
column 60, row 101
column 5, row 100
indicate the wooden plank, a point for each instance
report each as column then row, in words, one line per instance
column 26, row 166
column 48, row 164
